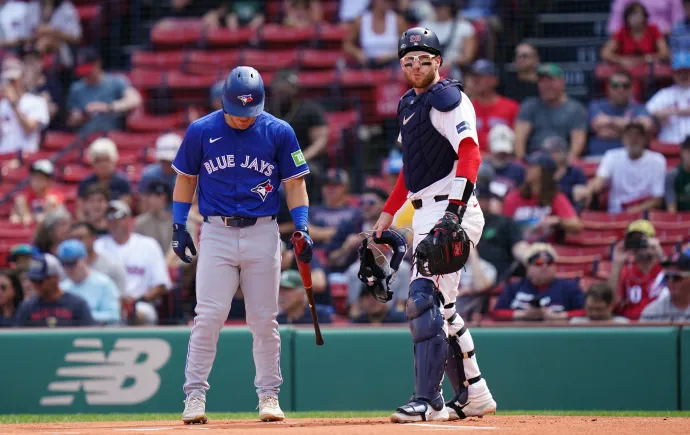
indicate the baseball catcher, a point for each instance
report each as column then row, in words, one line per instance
column 440, row 163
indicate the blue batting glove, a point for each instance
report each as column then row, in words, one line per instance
column 181, row 240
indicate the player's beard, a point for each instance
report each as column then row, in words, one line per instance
column 421, row 82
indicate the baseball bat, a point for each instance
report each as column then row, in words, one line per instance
column 305, row 272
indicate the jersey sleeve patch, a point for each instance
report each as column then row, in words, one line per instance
column 298, row 158
column 463, row 126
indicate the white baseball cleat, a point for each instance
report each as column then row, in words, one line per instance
column 418, row 411
column 473, row 408
column 269, row 409
column 194, row 411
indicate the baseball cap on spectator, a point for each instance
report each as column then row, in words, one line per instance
column 290, row 279
column 336, row 176
column 167, row 146
column 11, row 70
column 70, row 251
column 394, row 164
column 485, row 174
column 681, row 60
column 642, row 226
column 550, row 70
column 543, row 160
column 118, row 209
column 87, row 58
column 555, row 144
column 383, row 196
column 102, row 147
column 680, row 261
column 43, row 266
column 43, row 166
column 501, row 139
column 540, row 252
column 158, row 187
column 483, row 67
column 22, row 249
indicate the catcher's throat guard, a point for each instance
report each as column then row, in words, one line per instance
column 444, row 250
column 379, row 275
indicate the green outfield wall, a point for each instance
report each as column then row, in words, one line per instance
column 142, row 370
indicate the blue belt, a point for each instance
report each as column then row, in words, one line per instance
column 237, row 222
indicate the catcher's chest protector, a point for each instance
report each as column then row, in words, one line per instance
column 427, row 154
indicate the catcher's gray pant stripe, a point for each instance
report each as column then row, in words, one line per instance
column 248, row 258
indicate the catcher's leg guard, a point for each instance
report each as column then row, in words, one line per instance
column 430, row 349
column 462, row 368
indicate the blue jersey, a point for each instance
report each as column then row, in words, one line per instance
column 239, row 171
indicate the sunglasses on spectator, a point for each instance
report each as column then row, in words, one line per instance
column 523, row 54
column 541, row 259
column 424, row 60
column 367, row 201
column 624, row 85
column 676, row 277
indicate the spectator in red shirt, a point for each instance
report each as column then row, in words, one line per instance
column 538, row 206
column 640, row 281
column 637, row 41
column 491, row 109
column 540, row 295
column 40, row 198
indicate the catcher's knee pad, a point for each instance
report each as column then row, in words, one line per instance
column 423, row 312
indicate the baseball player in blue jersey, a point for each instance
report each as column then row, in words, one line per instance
column 237, row 157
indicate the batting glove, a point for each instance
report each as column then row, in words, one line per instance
column 308, row 251
column 182, row 240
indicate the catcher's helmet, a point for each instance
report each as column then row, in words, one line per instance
column 418, row 39
column 378, row 277
column 243, row 92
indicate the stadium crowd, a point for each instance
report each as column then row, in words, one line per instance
column 587, row 203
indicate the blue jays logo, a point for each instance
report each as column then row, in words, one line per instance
column 245, row 99
column 263, row 189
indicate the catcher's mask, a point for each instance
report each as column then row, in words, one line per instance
column 379, row 275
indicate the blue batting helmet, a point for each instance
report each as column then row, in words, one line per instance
column 243, row 92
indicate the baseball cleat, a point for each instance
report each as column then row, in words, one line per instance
column 473, row 408
column 269, row 409
column 418, row 410
column 194, row 411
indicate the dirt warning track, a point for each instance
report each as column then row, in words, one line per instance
column 518, row 425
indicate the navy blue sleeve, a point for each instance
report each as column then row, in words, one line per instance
column 290, row 158
column 505, row 299
column 121, row 186
column 344, row 230
column 188, row 158
column 576, row 298
column 580, row 177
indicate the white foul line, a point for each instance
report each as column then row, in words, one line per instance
column 446, row 427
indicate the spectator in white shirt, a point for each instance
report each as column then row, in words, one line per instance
column 22, row 115
column 14, row 23
column 670, row 107
column 634, row 174
column 456, row 34
column 147, row 274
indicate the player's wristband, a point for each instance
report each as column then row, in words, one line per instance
column 181, row 212
column 461, row 190
column 300, row 217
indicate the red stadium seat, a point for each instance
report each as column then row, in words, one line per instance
column 585, row 264
column 15, row 175
column 602, row 251
column 667, row 149
column 570, row 274
column 320, row 59
column 229, row 38
column 133, row 141
column 159, row 60
column 178, row 80
column 57, row 141
column 270, row 60
column 146, row 78
column 588, row 238
column 144, row 122
column 588, row 167
column 16, row 234
column 332, row 34
column 75, row 173
column 208, row 62
column 276, row 35
column 587, row 281
column 176, row 32
column 29, row 158
column 88, row 13
column 658, row 216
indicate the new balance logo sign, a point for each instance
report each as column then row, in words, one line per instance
column 102, row 376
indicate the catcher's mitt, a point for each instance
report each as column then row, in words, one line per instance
column 445, row 249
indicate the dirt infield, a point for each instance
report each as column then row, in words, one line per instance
column 526, row 424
